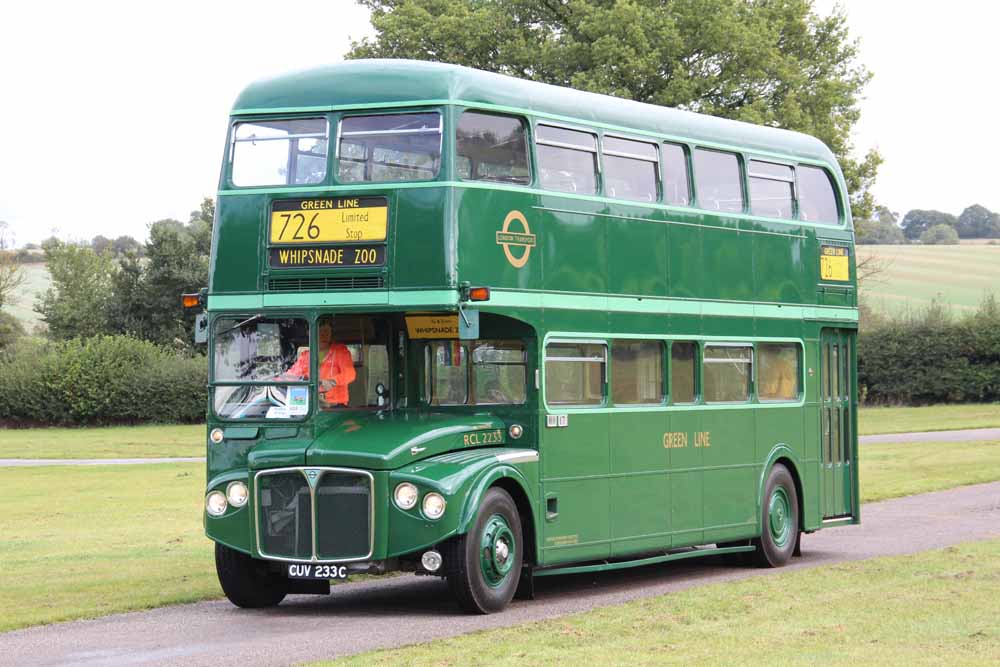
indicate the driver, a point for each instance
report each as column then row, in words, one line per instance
column 336, row 370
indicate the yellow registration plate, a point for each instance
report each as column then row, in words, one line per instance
column 334, row 220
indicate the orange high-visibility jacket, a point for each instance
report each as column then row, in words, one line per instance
column 337, row 366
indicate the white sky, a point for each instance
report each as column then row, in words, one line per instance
column 112, row 115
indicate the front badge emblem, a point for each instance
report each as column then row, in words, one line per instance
column 524, row 239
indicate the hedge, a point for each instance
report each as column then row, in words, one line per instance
column 100, row 380
column 932, row 357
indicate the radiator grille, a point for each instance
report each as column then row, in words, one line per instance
column 339, row 504
column 342, row 502
column 327, row 284
column 285, row 515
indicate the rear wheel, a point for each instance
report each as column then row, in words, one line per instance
column 779, row 519
column 484, row 565
column 247, row 582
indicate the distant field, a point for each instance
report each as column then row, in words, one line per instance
column 151, row 441
column 958, row 275
column 24, row 301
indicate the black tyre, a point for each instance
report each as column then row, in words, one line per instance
column 484, row 565
column 247, row 582
column 779, row 521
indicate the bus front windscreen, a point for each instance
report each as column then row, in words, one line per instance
column 256, row 362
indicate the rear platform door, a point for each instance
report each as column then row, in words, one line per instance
column 837, row 417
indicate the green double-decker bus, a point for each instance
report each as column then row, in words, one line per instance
column 490, row 330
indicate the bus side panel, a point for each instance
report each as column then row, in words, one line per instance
column 640, row 488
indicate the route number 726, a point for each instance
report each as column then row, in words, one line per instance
column 294, row 223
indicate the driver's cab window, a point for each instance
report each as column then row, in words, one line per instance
column 353, row 360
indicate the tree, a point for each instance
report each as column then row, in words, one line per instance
column 124, row 245
column 918, row 221
column 11, row 276
column 978, row 222
column 940, row 235
column 76, row 303
column 771, row 62
column 882, row 230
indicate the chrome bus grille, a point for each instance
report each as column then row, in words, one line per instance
column 315, row 514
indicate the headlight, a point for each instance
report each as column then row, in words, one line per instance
column 236, row 494
column 216, row 435
column 434, row 505
column 406, row 496
column 215, row 503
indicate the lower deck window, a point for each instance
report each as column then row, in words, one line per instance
column 778, row 371
column 637, row 372
column 574, row 373
column 728, row 371
column 487, row 372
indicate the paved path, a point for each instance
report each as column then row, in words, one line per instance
column 403, row 610
column 934, row 436
column 26, row 463
column 930, row 436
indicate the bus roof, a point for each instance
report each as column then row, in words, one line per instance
column 367, row 83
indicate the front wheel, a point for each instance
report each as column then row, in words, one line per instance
column 246, row 582
column 779, row 519
column 484, row 565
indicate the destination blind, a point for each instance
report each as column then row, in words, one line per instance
column 329, row 220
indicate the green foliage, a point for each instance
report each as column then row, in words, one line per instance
column 76, row 302
column 11, row 330
column 120, row 287
column 100, row 380
column 763, row 61
column 881, row 231
column 11, row 276
column 940, row 235
column 918, row 221
column 932, row 357
column 978, row 222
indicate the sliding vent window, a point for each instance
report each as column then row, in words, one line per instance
column 772, row 189
column 492, row 148
column 637, row 372
column 717, row 181
column 630, row 169
column 683, row 372
column 279, row 152
column 778, row 371
column 817, row 201
column 728, row 373
column 567, row 160
column 394, row 147
column 574, row 373
column 675, row 175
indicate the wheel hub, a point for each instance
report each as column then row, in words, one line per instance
column 779, row 520
column 497, row 546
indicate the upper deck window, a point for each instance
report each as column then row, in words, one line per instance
column 567, row 160
column 492, row 148
column 675, row 175
column 631, row 169
column 717, row 180
column 389, row 147
column 279, row 152
column 771, row 189
column 817, row 201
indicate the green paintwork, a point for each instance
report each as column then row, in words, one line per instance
column 640, row 562
column 601, row 268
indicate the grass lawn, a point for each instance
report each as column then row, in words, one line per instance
column 928, row 608
column 905, row 469
column 80, row 542
column 89, row 541
column 100, row 443
column 958, row 276
column 872, row 421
